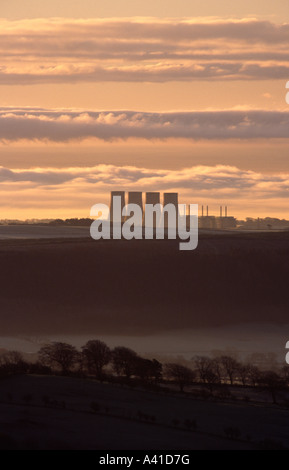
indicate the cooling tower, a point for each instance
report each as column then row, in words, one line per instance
column 122, row 195
column 135, row 197
column 152, row 198
column 171, row 198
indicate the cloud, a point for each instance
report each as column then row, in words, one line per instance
column 222, row 179
column 68, row 125
column 141, row 49
column 71, row 192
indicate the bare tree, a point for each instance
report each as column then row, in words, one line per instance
column 124, row 361
column 254, row 374
column 13, row 362
column 208, row 369
column 202, row 364
column 58, row 354
column 285, row 373
column 156, row 370
column 96, row 355
column 272, row 382
column 182, row 375
column 243, row 372
column 216, row 368
column 230, row 366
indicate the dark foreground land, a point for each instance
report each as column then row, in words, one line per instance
column 130, row 287
column 75, row 286
column 40, row 412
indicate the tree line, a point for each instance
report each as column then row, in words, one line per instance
column 123, row 364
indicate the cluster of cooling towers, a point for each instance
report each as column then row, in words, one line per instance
column 136, row 197
column 205, row 221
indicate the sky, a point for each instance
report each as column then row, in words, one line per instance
column 157, row 95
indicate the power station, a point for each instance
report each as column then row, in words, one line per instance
column 205, row 220
column 212, row 222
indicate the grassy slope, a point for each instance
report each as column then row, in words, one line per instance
column 76, row 427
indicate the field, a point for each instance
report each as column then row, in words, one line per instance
column 142, row 287
column 39, row 412
column 51, row 287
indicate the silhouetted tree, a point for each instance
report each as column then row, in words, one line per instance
column 58, row 354
column 202, row 364
column 285, row 373
column 12, row 362
column 272, row 382
column 182, row 375
column 230, row 366
column 208, row 370
column 156, row 370
column 244, row 373
column 148, row 370
column 96, row 355
column 216, row 368
column 39, row 368
column 254, row 374
column 124, row 361
column 12, row 357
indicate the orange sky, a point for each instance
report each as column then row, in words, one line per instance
column 136, row 96
column 17, row 9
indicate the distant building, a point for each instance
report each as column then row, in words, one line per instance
column 122, row 195
column 226, row 222
column 153, row 198
column 205, row 221
column 171, row 198
column 135, row 197
column 217, row 223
